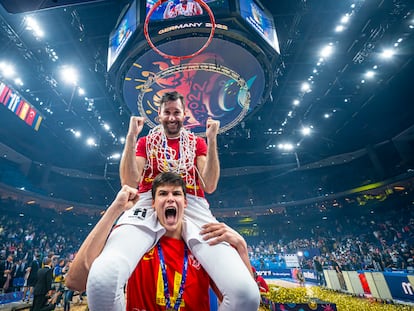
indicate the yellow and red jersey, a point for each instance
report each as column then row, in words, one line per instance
column 145, row 289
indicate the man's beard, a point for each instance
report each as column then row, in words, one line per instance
column 172, row 131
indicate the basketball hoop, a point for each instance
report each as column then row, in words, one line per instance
column 151, row 44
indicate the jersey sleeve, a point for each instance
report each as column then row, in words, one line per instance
column 141, row 147
column 201, row 147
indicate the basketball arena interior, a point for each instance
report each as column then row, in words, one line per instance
column 316, row 139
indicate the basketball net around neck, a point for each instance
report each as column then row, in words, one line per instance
column 166, row 158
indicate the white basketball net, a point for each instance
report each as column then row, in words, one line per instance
column 166, row 158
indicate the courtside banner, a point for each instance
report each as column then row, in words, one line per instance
column 310, row 275
column 399, row 286
column 275, row 273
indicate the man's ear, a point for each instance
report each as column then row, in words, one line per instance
column 157, row 118
column 153, row 204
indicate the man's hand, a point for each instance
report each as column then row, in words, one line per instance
column 212, row 127
column 126, row 198
column 220, row 232
column 136, row 124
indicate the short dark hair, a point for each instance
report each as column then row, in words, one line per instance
column 172, row 96
column 47, row 260
column 167, row 178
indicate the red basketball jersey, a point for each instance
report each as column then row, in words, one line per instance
column 145, row 290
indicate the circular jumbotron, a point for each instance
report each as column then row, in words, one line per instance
column 243, row 95
column 224, row 85
column 226, row 79
column 152, row 45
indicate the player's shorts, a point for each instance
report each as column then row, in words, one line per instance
column 196, row 214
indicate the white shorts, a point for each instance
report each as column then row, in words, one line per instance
column 196, row 214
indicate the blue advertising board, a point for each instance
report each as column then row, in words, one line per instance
column 399, row 286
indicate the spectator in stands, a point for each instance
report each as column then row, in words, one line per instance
column 317, row 265
column 19, row 272
column 67, row 293
column 58, row 274
column 338, row 268
column 32, row 278
column 300, row 277
column 43, row 286
column 6, row 274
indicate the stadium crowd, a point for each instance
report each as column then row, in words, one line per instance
column 377, row 236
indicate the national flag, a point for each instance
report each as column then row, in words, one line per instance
column 4, row 94
column 16, row 104
column 3, row 91
column 7, row 97
column 19, row 107
column 31, row 116
column 14, row 101
column 24, row 110
column 38, row 121
column 2, row 86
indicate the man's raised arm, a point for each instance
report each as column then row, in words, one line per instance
column 131, row 166
column 209, row 166
column 95, row 241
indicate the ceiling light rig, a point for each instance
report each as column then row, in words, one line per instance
column 7, row 70
column 69, row 74
column 91, row 142
column 75, row 133
column 325, row 53
column 388, row 53
column 329, row 49
column 34, row 27
column 306, row 130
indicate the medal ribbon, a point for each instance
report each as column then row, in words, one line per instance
column 165, row 279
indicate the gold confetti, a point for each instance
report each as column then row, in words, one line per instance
column 344, row 302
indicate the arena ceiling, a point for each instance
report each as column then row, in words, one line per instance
column 346, row 108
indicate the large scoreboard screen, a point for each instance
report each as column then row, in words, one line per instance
column 122, row 33
column 179, row 9
column 261, row 21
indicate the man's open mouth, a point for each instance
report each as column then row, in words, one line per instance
column 170, row 215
